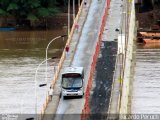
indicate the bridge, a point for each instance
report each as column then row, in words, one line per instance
column 103, row 45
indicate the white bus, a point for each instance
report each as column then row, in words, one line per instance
column 72, row 81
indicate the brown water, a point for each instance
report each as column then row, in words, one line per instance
column 146, row 84
column 27, row 43
column 20, row 54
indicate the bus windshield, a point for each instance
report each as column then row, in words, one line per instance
column 69, row 82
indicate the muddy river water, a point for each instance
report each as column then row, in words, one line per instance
column 146, row 84
column 20, row 54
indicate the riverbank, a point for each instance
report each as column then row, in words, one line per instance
column 60, row 20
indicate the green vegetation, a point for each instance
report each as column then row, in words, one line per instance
column 30, row 12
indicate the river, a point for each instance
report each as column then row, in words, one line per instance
column 20, row 54
column 146, row 84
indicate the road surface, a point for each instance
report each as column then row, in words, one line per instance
column 83, row 57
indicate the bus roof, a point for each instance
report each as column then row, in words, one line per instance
column 72, row 70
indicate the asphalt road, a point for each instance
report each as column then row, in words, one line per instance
column 105, row 66
column 100, row 94
column 71, row 109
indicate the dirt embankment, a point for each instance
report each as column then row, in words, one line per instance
column 147, row 19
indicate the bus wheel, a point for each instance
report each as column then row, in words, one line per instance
column 60, row 95
column 64, row 97
column 81, row 96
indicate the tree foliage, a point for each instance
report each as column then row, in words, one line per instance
column 32, row 10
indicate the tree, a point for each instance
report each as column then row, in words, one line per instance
column 3, row 12
column 32, row 10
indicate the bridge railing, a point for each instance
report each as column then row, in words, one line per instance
column 126, row 85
